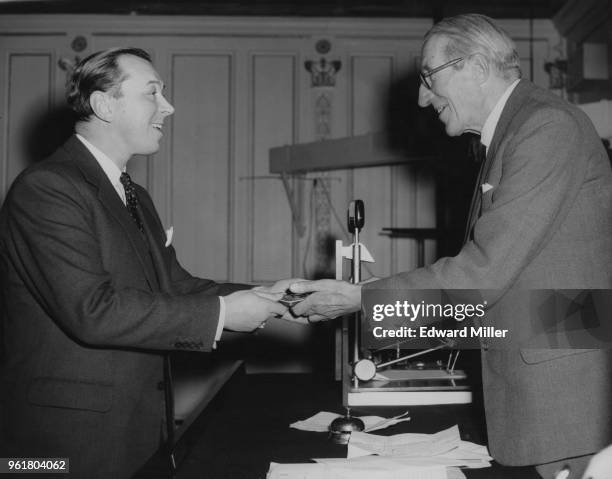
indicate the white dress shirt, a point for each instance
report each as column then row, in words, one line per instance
column 488, row 129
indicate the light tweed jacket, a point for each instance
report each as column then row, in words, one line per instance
column 545, row 223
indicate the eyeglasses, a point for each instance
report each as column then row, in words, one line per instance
column 425, row 76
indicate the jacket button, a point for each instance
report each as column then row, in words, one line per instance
column 160, row 385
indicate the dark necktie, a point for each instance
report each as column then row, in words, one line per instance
column 478, row 151
column 131, row 199
column 479, row 154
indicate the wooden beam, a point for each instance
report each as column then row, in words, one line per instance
column 288, row 8
column 351, row 152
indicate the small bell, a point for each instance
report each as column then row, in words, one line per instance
column 340, row 429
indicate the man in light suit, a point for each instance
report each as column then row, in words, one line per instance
column 541, row 218
column 92, row 293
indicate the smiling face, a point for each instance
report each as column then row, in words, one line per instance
column 139, row 108
column 455, row 92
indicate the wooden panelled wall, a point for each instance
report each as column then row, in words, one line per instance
column 240, row 87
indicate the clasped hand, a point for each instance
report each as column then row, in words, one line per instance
column 329, row 299
column 249, row 309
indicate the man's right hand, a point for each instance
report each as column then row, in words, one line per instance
column 329, row 299
column 247, row 310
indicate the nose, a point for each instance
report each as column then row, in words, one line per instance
column 425, row 96
column 165, row 107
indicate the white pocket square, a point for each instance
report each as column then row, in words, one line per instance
column 486, row 187
column 169, row 235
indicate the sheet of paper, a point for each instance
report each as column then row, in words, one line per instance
column 439, row 461
column 444, row 448
column 320, row 422
column 410, row 444
column 374, row 423
column 388, row 463
column 345, row 469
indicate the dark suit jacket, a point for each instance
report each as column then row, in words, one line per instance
column 89, row 304
column 546, row 223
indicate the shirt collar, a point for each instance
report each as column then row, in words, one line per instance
column 488, row 129
column 111, row 170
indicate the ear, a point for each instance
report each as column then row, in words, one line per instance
column 101, row 104
column 480, row 67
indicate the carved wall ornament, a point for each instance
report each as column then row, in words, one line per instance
column 323, row 72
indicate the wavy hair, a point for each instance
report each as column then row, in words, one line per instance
column 99, row 71
column 474, row 33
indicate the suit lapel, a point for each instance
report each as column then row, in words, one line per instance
column 512, row 106
column 111, row 201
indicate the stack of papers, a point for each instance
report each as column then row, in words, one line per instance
column 418, row 456
column 444, row 448
column 320, row 422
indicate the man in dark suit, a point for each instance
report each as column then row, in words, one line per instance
column 541, row 218
column 92, row 293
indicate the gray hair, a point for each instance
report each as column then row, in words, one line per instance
column 474, row 33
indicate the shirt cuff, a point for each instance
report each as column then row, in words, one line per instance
column 221, row 322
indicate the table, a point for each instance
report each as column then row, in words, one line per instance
column 247, row 426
